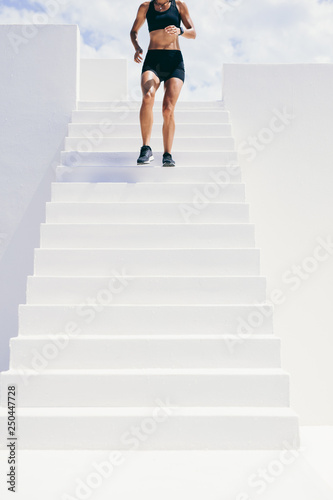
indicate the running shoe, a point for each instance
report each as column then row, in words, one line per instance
column 168, row 161
column 146, row 155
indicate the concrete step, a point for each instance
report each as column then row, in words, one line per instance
column 147, row 236
column 142, row 387
column 182, row 158
column 125, row 116
column 92, row 319
column 148, row 262
column 125, row 352
column 120, row 288
column 148, row 213
column 125, row 105
column 135, row 174
column 107, row 144
column 199, row 194
column 133, row 130
column 160, row 428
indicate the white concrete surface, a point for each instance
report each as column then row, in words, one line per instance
column 158, row 428
column 140, row 388
column 147, row 290
column 281, row 117
column 155, row 192
column 161, row 351
column 148, row 262
column 143, row 235
column 103, row 79
column 131, row 174
column 38, row 91
column 184, row 158
column 145, row 320
column 144, row 213
column 213, row 475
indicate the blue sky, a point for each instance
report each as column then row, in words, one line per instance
column 229, row 31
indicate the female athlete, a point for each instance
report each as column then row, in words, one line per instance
column 163, row 62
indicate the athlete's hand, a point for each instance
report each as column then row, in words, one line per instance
column 172, row 30
column 138, row 56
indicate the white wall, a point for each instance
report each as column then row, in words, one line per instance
column 38, row 91
column 289, row 181
column 103, row 79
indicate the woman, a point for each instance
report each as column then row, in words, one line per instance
column 163, row 62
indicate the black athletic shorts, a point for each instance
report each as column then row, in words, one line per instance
column 165, row 64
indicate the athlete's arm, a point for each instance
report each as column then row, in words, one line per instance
column 138, row 23
column 189, row 32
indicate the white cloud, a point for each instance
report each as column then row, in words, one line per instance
column 250, row 31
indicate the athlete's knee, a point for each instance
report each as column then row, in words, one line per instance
column 148, row 97
column 168, row 110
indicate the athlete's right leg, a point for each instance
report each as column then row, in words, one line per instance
column 149, row 85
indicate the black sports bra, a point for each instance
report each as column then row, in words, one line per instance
column 158, row 20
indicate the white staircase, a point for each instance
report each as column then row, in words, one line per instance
column 147, row 309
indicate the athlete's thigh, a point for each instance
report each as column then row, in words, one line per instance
column 149, row 82
column 172, row 89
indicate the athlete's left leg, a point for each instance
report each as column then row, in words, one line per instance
column 172, row 88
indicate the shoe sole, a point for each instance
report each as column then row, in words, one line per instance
column 145, row 162
column 167, row 165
